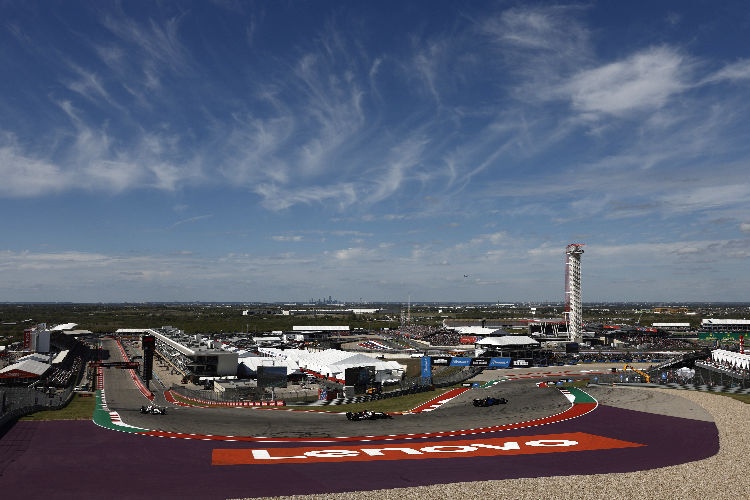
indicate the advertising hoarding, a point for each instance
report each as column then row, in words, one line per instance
column 426, row 367
column 271, row 376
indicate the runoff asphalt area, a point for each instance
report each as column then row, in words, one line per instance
column 629, row 430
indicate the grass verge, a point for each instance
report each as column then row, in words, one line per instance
column 401, row 403
column 180, row 399
column 745, row 398
column 79, row 408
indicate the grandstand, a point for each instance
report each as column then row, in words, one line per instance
column 26, row 369
column 725, row 325
column 191, row 355
column 522, row 350
column 733, row 363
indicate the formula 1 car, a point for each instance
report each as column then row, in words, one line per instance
column 366, row 415
column 154, row 410
column 490, row 401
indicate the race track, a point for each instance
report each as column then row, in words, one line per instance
column 628, row 430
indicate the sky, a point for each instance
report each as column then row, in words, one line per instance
column 373, row 151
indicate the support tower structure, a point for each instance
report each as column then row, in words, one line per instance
column 573, row 307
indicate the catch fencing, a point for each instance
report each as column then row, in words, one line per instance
column 450, row 377
column 701, row 377
column 292, row 396
column 22, row 401
column 706, row 374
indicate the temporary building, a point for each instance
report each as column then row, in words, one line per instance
column 26, row 368
column 250, row 363
column 732, row 358
column 332, row 363
column 507, row 340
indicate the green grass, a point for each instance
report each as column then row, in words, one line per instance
column 217, row 404
column 745, row 398
column 576, row 383
column 78, row 409
column 401, row 403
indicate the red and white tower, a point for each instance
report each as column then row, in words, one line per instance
column 573, row 307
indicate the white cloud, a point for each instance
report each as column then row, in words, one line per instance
column 540, row 45
column 351, row 253
column 277, row 198
column 294, row 238
column 87, row 84
column 388, row 178
column 51, row 261
column 160, row 43
column 493, row 238
column 708, row 249
column 739, row 70
column 25, row 176
column 645, row 80
column 708, row 197
column 539, row 28
column 191, row 220
column 426, row 62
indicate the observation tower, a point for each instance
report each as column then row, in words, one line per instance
column 573, row 308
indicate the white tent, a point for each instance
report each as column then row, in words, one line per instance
column 333, row 363
column 732, row 358
column 252, row 363
column 507, row 340
column 478, row 330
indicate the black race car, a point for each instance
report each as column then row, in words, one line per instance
column 366, row 415
column 154, row 410
column 490, row 401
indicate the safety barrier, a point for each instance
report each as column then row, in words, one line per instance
column 208, row 402
column 26, row 402
column 22, row 401
column 136, row 379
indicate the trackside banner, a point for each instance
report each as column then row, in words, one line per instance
column 426, row 367
column 524, row 445
column 499, row 362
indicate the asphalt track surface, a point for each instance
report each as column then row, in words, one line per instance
column 630, row 430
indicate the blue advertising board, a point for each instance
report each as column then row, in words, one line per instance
column 426, row 367
column 499, row 362
column 460, row 361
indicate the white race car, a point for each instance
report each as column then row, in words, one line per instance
column 154, row 410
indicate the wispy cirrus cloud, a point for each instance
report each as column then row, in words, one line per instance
column 732, row 72
column 279, row 198
column 159, row 44
column 191, row 220
column 292, row 238
column 530, row 119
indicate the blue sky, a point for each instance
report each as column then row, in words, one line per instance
column 447, row 151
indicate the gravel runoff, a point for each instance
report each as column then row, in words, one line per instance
column 724, row 475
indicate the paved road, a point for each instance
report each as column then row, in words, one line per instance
column 82, row 460
column 523, row 399
column 525, row 402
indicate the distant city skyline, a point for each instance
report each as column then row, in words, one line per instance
column 443, row 151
